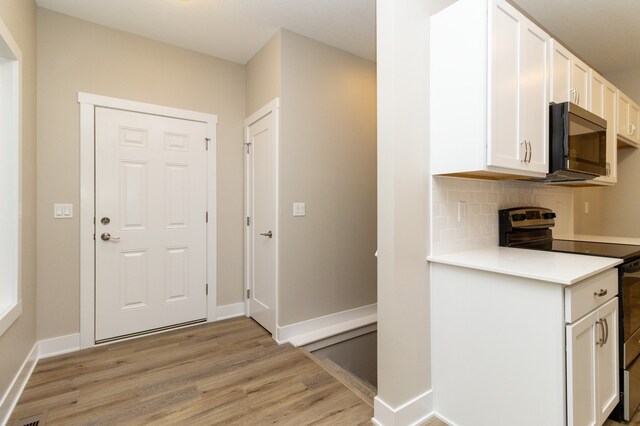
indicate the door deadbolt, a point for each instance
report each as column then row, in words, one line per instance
column 105, row 221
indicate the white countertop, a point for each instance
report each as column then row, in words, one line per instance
column 560, row 268
column 599, row 239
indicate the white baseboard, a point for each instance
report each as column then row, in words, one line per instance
column 12, row 395
column 58, row 345
column 312, row 330
column 411, row 413
column 229, row 311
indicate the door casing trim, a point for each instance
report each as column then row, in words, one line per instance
column 273, row 107
column 88, row 102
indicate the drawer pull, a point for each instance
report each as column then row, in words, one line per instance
column 602, row 292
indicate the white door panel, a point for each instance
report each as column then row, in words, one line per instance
column 151, row 183
column 261, row 199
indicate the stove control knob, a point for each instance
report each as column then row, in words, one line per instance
column 518, row 217
column 549, row 215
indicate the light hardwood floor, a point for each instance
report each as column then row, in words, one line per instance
column 230, row 373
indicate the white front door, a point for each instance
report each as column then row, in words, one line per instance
column 262, row 237
column 150, row 223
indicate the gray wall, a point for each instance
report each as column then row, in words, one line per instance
column 264, row 75
column 328, row 161
column 20, row 18
column 78, row 56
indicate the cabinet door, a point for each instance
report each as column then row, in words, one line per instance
column 623, row 116
column 580, row 82
column 560, row 62
column 506, row 147
column 607, row 388
column 609, row 113
column 519, row 92
column 534, row 103
column 581, row 371
column 596, row 94
column 634, row 121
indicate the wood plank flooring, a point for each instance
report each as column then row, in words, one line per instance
column 230, row 372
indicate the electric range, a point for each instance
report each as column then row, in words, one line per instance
column 530, row 228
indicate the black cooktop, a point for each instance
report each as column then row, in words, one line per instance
column 620, row 251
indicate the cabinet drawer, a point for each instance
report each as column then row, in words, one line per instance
column 585, row 296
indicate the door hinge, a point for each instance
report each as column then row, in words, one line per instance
column 206, row 289
column 248, row 294
column 206, row 217
column 206, row 143
column 248, row 221
column 248, row 145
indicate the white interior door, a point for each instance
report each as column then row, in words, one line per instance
column 151, row 199
column 262, row 236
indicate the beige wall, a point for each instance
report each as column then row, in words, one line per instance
column 20, row 18
column 75, row 55
column 328, row 161
column 264, row 75
column 614, row 210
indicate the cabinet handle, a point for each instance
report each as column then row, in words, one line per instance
column 606, row 329
column 600, row 341
column 608, row 169
column 602, row 292
column 524, row 159
column 530, row 151
column 572, row 95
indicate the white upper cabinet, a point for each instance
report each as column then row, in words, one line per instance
column 569, row 76
column 603, row 102
column 628, row 120
column 489, row 92
column 579, row 82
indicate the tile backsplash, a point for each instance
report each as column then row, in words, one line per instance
column 464, row 212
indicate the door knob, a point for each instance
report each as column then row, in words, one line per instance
column 107, row 237
column 268, row 234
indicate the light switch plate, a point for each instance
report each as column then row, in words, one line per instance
column 62, row 211
column 299, row 209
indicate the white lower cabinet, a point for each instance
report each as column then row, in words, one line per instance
column 511, row 350
column 592, row 366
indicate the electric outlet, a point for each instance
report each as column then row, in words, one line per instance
column 462, row 210
column 299, row 209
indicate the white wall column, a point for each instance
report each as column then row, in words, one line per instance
column 404, row 351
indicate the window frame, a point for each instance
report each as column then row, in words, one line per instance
column 10, row 179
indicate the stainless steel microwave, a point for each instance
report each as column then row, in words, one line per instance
column 577, row 143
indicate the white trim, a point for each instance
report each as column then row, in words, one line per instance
column 11, row 177
column 128, row 105
column 341, row 337
column 272, row 107
column 58, row 345
column 9, row 316
column 413, row 412
column 88, row 102
column 230, row 311
column 312, row 330
column 14, row 391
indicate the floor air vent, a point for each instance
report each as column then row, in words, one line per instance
column 37, row 420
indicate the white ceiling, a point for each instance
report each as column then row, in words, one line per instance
column 232, row 29
column 604, row 33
